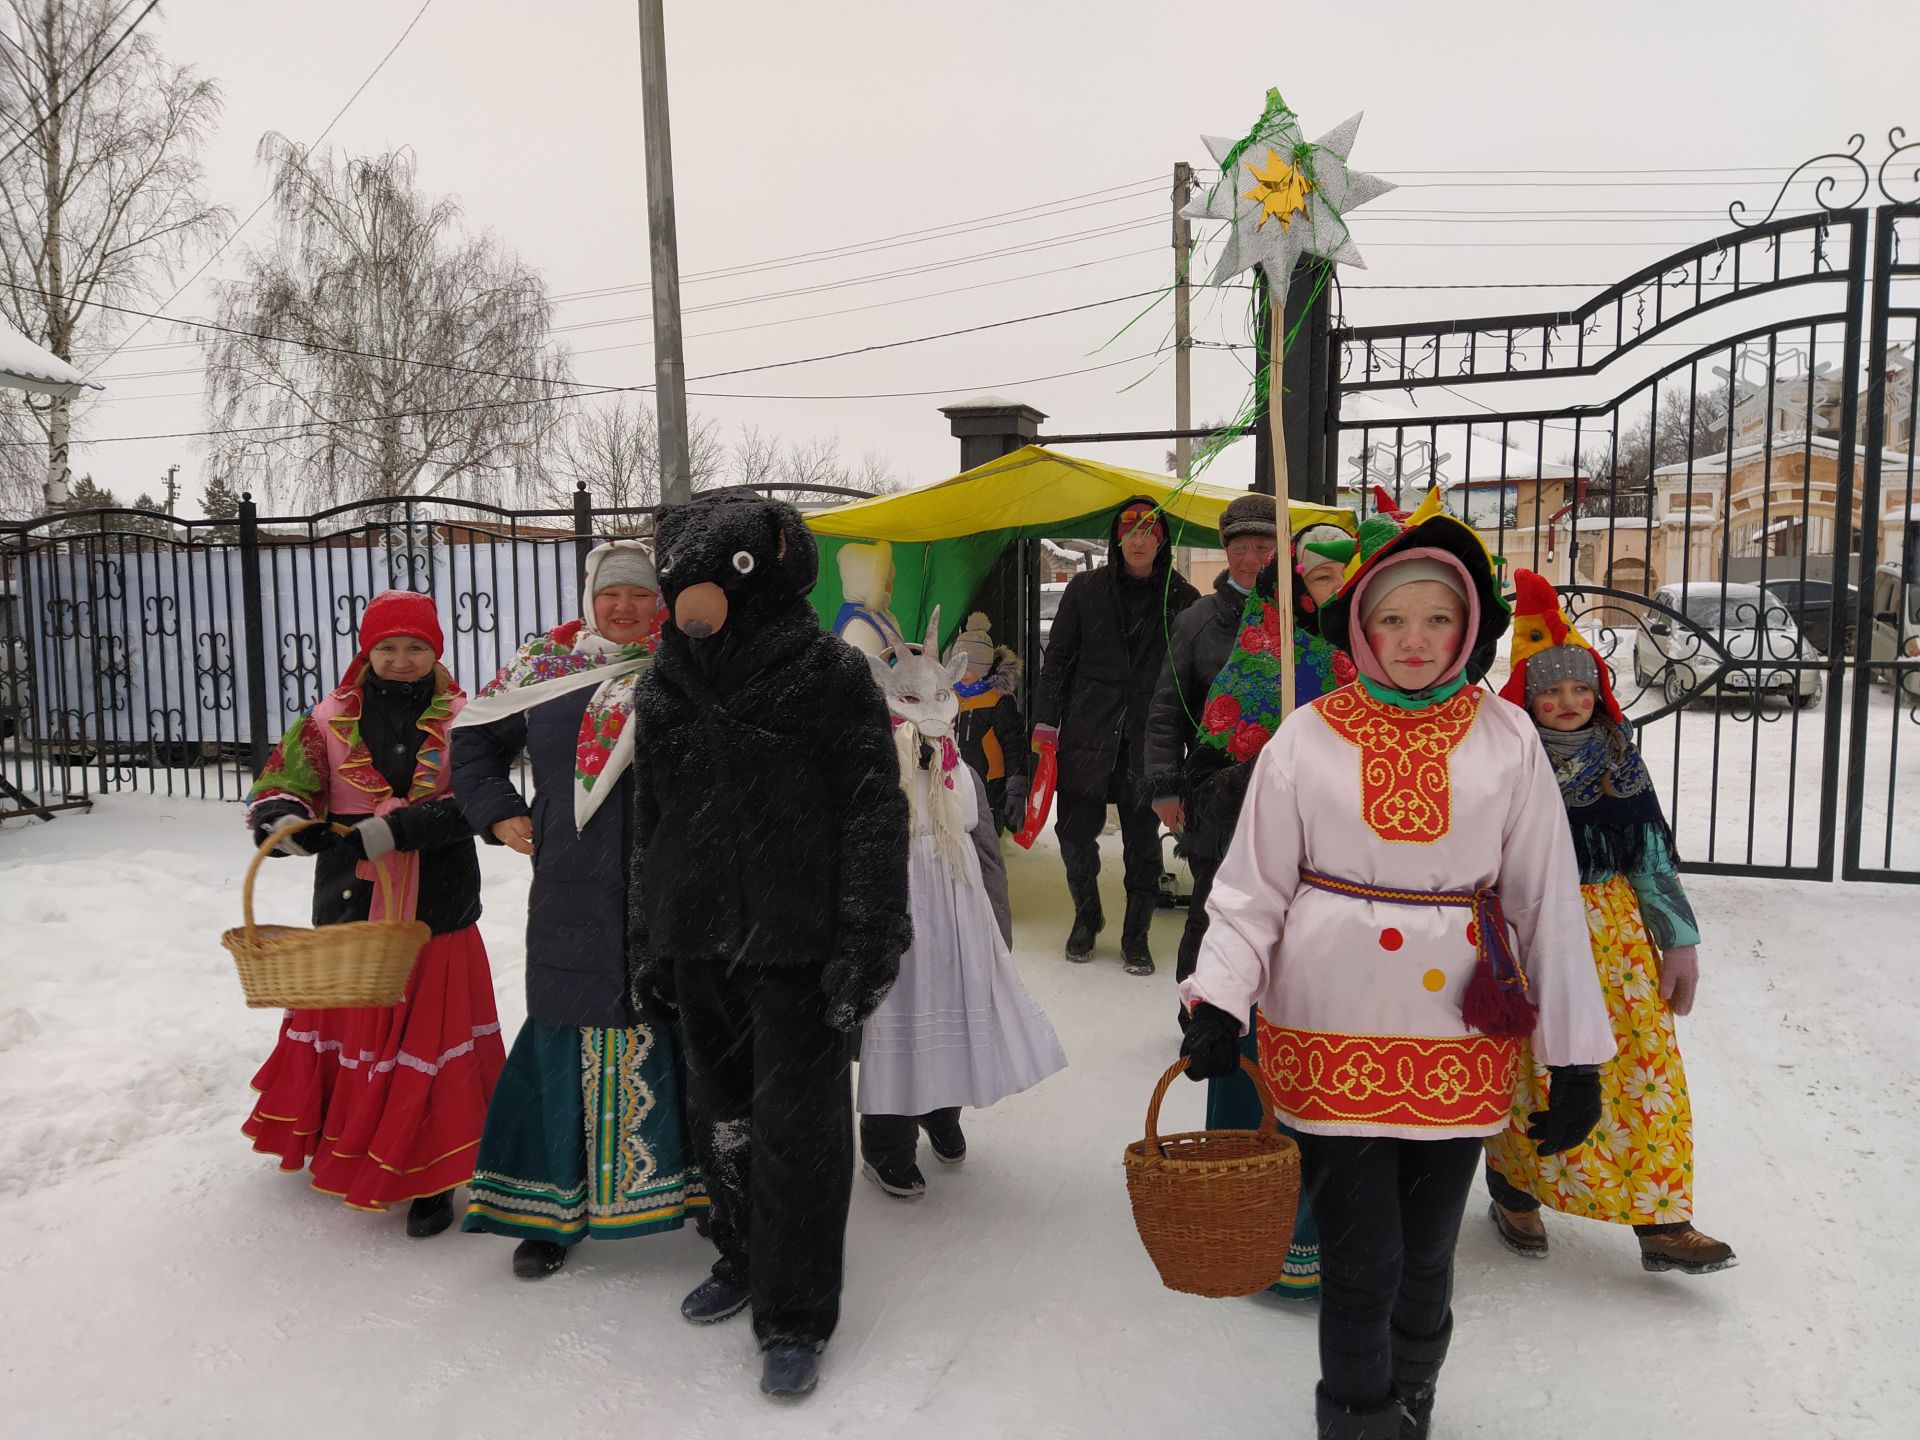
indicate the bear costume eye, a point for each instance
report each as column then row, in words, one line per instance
column 743, row 562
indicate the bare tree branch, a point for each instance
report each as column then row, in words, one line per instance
column 102, row 199
column 386, row 352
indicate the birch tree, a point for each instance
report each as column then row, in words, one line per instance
column 102, row 190
column 375, row 349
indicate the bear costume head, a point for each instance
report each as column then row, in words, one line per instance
column 733, row 559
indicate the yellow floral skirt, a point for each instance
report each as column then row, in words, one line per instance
column 1638, row 1167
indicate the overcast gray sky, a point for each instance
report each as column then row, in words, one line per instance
column 813, row 125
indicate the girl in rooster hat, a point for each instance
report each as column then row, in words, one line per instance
column 1402, row 902
column 1637, row 1168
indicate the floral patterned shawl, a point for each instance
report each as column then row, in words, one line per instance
column 560, row 662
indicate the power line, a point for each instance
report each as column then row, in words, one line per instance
column 81, row 84
column 730, row 330
column 619, row 390
column 1043, row 210
column 1052, row 242
column 1038, row 210
column 944, row 390
column 234, row 234
column 582, row 389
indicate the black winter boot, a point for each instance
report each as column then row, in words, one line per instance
column 429, row 1215
column 789, row 1371
column 1416, row 1368
column 944, row 1134
column 1334, row 1421
column 1133, row 934
column 716, row 1298
column 537, row 1259
column 1087, row 921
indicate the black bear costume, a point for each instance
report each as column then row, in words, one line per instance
column 769, row 900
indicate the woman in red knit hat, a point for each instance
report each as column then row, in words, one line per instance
column 386, row 1103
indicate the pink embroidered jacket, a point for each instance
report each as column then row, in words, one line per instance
column 1360, row 1025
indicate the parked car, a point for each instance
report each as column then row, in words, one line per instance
column 1744, row 622
column 1050, row 594
column 1811, row 603
column 1896, row 626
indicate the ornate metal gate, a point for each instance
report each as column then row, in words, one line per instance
column 1883, row 752
column 1682, row 456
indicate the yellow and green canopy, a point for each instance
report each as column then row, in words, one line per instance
column 946, row 537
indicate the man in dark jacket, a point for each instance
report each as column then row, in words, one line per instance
column 769, row 902
column 1108, row 641
column 1178, row 769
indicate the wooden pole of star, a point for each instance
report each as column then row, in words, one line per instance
column 1282, row 509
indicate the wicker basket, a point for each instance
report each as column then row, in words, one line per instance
column 1215, row 1208
column 288, row 967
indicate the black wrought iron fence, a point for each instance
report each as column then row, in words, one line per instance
column 150, row 652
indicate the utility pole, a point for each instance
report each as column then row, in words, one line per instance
column 173, row 488
column 669, row 370
column 1182, row 321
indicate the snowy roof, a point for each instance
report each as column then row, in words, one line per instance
column 25, row 366
column 1784, row 442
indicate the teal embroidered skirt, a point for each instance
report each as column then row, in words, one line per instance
column 586, row 1135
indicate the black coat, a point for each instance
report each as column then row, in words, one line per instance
column 1203, row 640
column 449, row 897
column 1097, row 682
column 577, row 905
column 770, row 828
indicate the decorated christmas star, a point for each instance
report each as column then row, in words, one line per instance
column 1286, row 198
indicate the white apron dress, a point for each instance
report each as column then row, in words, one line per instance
column 958, row 1027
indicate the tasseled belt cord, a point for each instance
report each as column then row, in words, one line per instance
column 1497, row 1000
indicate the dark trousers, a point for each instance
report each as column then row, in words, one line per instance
column 1389, row 1214
column 1204, row 868
column 772, row 1114
column 889, row 1142
column 1508, row 1195
column 1078, row 820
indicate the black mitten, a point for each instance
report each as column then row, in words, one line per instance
column 1573, row 1109
column 653, row 985
column 369, row 840
column 1212, row 1043
column 855, row 981
column 270, row 815
column 1013, row 805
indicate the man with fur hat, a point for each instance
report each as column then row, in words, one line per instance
column 769, row 902
column 1103, row 659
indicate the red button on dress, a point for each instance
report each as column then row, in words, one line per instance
column 1391, row 939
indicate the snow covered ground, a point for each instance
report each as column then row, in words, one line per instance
column 160, row 1280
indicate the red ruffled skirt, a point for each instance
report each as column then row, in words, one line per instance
column 387, row 1103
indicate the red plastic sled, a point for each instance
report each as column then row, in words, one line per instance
column 1039, row 798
